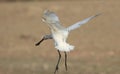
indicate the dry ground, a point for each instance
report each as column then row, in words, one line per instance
column 97, row 44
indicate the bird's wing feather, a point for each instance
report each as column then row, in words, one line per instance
column 52, row 20
column 78, row 24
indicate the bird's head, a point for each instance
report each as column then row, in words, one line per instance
column 49, row 17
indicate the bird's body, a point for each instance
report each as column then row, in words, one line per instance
column 60, row 38
column 60, row 34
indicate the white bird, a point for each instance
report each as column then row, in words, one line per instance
column 60, row 34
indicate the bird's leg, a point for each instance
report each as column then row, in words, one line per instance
column 65, row 60
column 57, row 65
column 40, row 42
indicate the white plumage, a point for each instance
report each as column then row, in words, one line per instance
column 60, row 33
column 60, row 38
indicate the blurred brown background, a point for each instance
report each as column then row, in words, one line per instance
column 97, row 43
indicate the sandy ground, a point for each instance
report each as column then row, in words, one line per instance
column 97, row 43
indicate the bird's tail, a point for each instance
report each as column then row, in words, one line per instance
column 65, row 47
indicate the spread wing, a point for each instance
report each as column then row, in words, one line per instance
column 52, row 20
column 78, row 24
